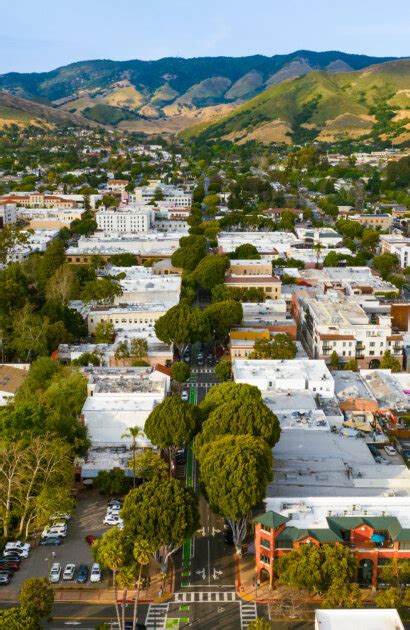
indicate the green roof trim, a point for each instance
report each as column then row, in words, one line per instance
column 403, row 535
column 271, row 519
column 347, row 523
column 294, row 534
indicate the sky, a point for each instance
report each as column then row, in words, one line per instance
column 39, row 35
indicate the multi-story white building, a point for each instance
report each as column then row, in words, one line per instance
column 50, row 218
column 124, row 220
column 337, row 323
column 8, row 214
column 398, row 245
column 294, row 375
column 172, row 195
column 127, row 316
column 327, row 237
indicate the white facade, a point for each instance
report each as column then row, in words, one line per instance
column 124, row 220
column 65, row 216
column 351, row 619
column 7, row 214
column 327, row 237
column 153, row 243
column 398, row 245
column 140, row 285
column 172, row 195
column 268, row 244
column 126, row 316
column 285, row 375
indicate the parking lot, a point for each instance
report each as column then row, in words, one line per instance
column 87, row 519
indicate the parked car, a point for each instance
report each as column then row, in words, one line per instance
column 17, row 544
column 112, row 519
column 69, row 572
column 22, row 553
column 60, row 516
column 82, row 575
column 114, row 509
column 59, row 524
column 54, row 531
column 181, row 457
column 90, row 539
column 11, row 565
column 200, row 358
column 5, row 578
column 51, row 540
column 55, row 572
column 12, row 555
column 390, row 450
column 210, row 359
column 185, row 395
column 187, row 356
column 113, row 502
column 95, row 575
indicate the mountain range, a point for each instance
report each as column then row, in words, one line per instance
column 300, row 96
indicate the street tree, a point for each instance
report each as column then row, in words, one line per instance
column 385, row 264
column 260, row 624
column 183, row 325
column 388, row 362
column 223, row 370
column 223, row 316
column 142, row 553
column 343, row 595
column 317, row 568
column 100, row 290
column 180, row 371
column 240, row 417
column 112, row 481
column 396, row 573
column 288, row 603
column 229, row 392
column 235, row 471
column 162, row 512
column 18, row 618
column 171, row 425
column 104, row 332
column 246, row 251
column 150, row 465
column 134, row 433
column 37, row 597
column 211, row 271
column 393, row 597
column 113, row 553
column 63, row 285
column 281, row 346
column 334, row 360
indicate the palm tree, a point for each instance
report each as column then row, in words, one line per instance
column 134, row 433
column 110, row 551
column 318, row 248
column 143, row 552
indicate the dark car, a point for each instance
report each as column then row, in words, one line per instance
column 5, row 579
column 51, row 540
column 9, row 564
column 82, row 575
column 90, row 539
column 11, row 556
column 181, row 457
column 113, row 502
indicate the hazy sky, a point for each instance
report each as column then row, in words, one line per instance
column 38, row 35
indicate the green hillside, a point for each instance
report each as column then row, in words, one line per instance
column 329, row 107
column 172, row 88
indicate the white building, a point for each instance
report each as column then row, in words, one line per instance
column 150, row 245
column 38, row 241
column 50, row 218
column 398, row 245
column 172, row 195
column 7, row 214
column 118, row 399
column 337, row 323
column 126, row 316
column 348, row 280
column 327, row 237
column 124, row 220
column 296, row 375
column 268, row 244
column 140, row 285
column 353, row 618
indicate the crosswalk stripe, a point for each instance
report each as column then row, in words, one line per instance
column 156, row 616
column 205, row 596
column 248, row 614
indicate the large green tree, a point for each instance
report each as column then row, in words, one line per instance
column 171, row 425
column 229, row 392
column 281, row 346
column 239, row 417
column 223, row 316
column 183, row 325
column 162, row 512
column 235, row 471
column 388, row 362
column 385, row 264
column 211, row 271
column 37, row 597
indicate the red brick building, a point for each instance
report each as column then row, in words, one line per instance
column 274, row 537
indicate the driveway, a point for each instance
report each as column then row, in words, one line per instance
column 87, row 519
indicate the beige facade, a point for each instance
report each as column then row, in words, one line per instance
column 270, row 284
column 381, row 221
column 250, row 268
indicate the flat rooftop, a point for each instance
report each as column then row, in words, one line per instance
column 263, row 241
column 390, row 390
column 281, row 374
column 366, row 618
column 350, row 384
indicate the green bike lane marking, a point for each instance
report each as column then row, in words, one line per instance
column 189, row 482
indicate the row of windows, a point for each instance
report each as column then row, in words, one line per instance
column 129, row 321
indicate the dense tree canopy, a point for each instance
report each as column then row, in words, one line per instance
column 223, row 316
column 182, row 325
column 229, row 392
column 280, row 347
column 211, row 271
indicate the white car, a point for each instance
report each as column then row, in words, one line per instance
column 185, row 396
column 61, row 516
column 55, row 572
column 390, row 450
column 69, row 572
column 95, row 575
column 17, row 544
column 112, row 519
column 15, row 552
column 54, row 531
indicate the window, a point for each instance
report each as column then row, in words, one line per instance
column 265, row 559
column 371, row 352
column 265, row 543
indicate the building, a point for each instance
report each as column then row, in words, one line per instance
column 40, row 200
column 285, row 375
column 276, row 213
column 118, row 399
column 250, row 268
column 346, row 280
column 242, row 341
column 126, row 220
column 153, row 245
column 337, row 323
column 140, row 285
column 375, row 529
column 353, row 618
column 11, row 378
column 375, row 221
column 117, row 185
column 327, row 237
column 398, row 245
column 38, row 241
column 270, row 285
column 271, row 314
column 172, row 195
column 126, row 316
column 8, row 214
column 269, row 245
column 50, row 218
